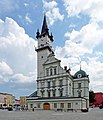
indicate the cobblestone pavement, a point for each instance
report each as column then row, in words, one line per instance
column 94, row 114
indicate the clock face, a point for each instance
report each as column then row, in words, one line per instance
column 79, row 75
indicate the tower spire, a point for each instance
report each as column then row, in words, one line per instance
column 44, row 26
column 44, row 30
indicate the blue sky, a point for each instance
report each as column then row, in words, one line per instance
column 77, row 27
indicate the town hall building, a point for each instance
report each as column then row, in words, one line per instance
column 57, row 89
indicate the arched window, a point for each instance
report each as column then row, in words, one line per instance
column 55, row 71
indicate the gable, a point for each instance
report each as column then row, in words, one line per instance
column 51, row 59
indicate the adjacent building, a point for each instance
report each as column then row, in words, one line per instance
column 23, row 101
column 98, row 98
column 6, row 99
column 57, row 89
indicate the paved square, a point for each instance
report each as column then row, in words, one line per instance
column 94, row 114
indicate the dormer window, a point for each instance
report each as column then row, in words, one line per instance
column 47, row 72
column 55, row 71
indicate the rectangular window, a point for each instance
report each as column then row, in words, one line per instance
column 61, row 83
column 38, row 105
column 53, row 93
column 48, row 94
column 42, row 84
column 62, row 105
column 47, row 72
column 55, row 71
column 69, row 105
column 31, row 105
column 42, row 93
column 61, row 93
column 79, row 85
column 55, row 105
column 53, row 83
column 51, row 72
column 48, row 84
column 79, row 93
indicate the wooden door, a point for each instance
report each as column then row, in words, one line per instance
column 46, row 106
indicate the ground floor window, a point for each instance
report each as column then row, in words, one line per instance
column 38, row 105
column 69, row 105
column 55, row 105
column 62, row 105
column 31, row 105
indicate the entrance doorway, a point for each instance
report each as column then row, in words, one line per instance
column 46, row 106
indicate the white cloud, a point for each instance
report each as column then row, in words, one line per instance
column 26, row 4
column 82, row 42
column 75, row 7
column 20, row 78
column 95, row 70
column 52, row 11
column 27, row 19
column 93, row 8
column 5, row 69
column 17, row 51
column 50, row 5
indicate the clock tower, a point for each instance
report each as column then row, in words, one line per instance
column 44, row 47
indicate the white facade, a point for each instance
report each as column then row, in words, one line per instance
column 56, row 87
